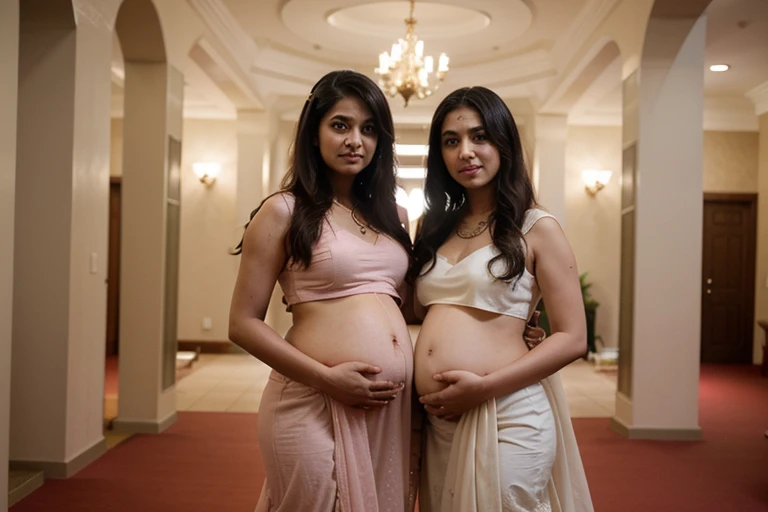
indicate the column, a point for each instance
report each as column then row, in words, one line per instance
column 252, row 161
column 9, row 76
column 59, row 292
column 662, row 197
column 551, row 134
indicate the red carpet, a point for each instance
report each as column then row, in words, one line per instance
column 211, row 462
column 726, row 471
column 206, row 462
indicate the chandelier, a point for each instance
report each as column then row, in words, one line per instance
column 406, row 71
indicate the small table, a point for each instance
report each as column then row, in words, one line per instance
column 764, row 369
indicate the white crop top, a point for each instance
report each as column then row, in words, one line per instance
column 468, row 282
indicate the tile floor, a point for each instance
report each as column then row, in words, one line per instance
column 234, row 383
column 223, row 382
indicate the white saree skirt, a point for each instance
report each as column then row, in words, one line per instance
column 515, row 453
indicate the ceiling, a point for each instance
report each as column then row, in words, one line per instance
column 510, row 45
column 737, row 35
column 520, row 48
column 354, row 32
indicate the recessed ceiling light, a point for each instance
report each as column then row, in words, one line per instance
column 719, row 67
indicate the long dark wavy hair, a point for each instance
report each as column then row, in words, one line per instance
column 373, row 191
column 446, row 198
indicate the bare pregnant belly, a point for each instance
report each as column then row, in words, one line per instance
column 368, row 328
column 462, row 338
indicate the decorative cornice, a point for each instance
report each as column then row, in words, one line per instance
column 227, row 30
column 720, row 115
column 98, row 14
column 589, row 18
column 759, row 97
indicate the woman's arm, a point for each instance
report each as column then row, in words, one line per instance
column 262, row 260
column 558, row 280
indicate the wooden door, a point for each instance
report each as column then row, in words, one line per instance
column 728, row 273
column 113, row 270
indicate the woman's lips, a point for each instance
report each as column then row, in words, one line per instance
column 352, row 157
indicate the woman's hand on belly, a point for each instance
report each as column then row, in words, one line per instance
column 464, row 391
column 347, row 383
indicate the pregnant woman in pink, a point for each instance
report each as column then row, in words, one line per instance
column 334, row 424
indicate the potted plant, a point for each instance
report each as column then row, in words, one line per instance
column 590, row 311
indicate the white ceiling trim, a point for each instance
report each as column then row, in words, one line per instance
column 730, row 120
column 596, row 119
column 590, row 17
column 759, row 97
column 715, row 119
column 234, row 40
column 601, row 88
column 205, row 86
column 220, row 61
column 293, row 68
column 227, row 29
column 550, row 105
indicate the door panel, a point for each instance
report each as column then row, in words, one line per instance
column 728, row 267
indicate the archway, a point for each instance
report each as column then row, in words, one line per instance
column 150, row 204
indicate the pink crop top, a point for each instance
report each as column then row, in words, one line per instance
column 343, row 265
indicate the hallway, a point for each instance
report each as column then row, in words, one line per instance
column 234, row 382
column 208, row 461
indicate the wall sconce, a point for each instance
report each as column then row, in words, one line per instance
column 206, row 172
column 595, row 180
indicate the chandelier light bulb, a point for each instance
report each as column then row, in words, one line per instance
column 406, row 71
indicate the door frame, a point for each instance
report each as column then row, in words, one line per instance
column 751, row 200
column 113, row 285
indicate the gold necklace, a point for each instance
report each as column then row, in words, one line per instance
column 465, row 232
column 363, row 227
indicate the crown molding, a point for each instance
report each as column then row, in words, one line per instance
column 719, row 115
column 759, row 98
column 227, row 30
column 589, row 18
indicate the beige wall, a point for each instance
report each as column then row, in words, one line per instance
column 730, row 165
column 761, row 295
column 593, row 222
column 9, row 49
column 208, row 230
column 730, row 161
column 209, row 227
